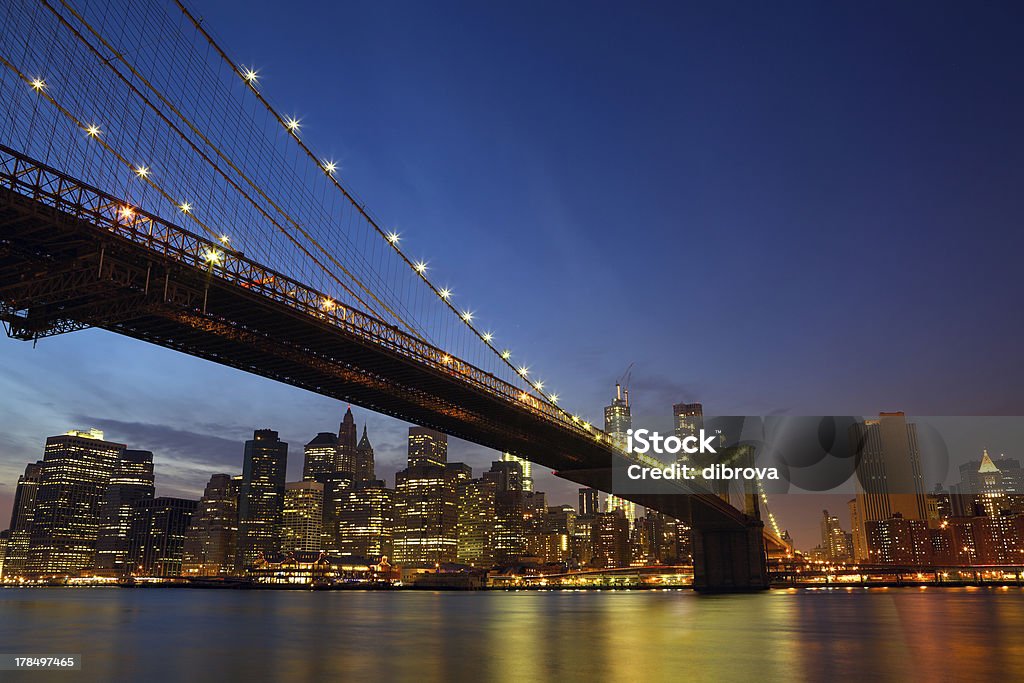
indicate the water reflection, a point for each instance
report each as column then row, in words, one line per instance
column 652, row 635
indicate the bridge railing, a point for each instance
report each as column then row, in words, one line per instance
column 50, row 187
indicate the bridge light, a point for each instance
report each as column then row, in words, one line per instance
column 292, row 124
column 38, row 84
column 523, row 370
column 487, row 336
column 212, row 256
column 224, row 239
column 445, row 293
column 329, row 167
column 506, row 354
column 393, row 237
column 250, row 76
column 142, row 171
column 127, row 212
column 93, row 130
column 185, row 207
column 553, row 397
column 538, row 385
column 467, row 316
column 327, row 304
column 447, row 360
column 523, row 396
column 575, row 418
column 586, row 425
column 420, row 266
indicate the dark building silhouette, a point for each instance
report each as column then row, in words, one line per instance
column 131, row 483
column 261, row 498
column 590, row 501
column 77, row 468
column 212, row 538
column 156, row 539
column 347, row 444
column 364, row 469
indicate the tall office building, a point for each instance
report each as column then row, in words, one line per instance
column 212, row 538
column 988, row 487
column 426, row 515
column 427, row 447
column 5, row 537
column 261, row 499
column 610, row 540
column 303, row 516
column 365, row 521
column 426, row 501
column 156, row 539
column 509, row 539
column 590, row 501
column 525, row 465
column 888, row 479
column 364, row 459
column 336, row 496
column 835, row 542
column 77, row 468
column 347, row 444
column 321, row 457
column 131, row 483
column 688, row 419
column 21, row 518
column 617, row 421
column 476, row 522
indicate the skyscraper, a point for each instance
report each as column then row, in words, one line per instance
column 212, row 538
column 365, row 521
column 364, row 459
column 590, row 501
column 77, row 468
column 525, row 465
column 303, row 515
column 321, row 457
column 617, row 421
column 427, row 447
column 509, row 539
column 261, row 499
column 987, row 486
column 835, row 542
column 888, row 479
column 476, row 522
column 131, row 483
column 156, row 539
column 688, row 419
column 347, row 444
column 336, row 496
column 610, row 540
column 21, row 518
column 426, row 501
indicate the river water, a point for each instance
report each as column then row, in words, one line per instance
column 798, row 635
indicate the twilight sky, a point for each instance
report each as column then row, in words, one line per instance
column 785, row 207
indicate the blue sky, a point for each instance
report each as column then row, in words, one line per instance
column 798, row 207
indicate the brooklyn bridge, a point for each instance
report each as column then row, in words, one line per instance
column 151, row 187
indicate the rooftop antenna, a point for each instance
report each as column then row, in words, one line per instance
column 624, row 382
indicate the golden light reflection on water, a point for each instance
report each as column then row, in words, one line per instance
column 164, row 634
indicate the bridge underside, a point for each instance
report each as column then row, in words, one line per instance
column 61, row 272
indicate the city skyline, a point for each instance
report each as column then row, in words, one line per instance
column 809, row 355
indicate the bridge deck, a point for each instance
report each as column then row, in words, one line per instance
column 72, row 257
